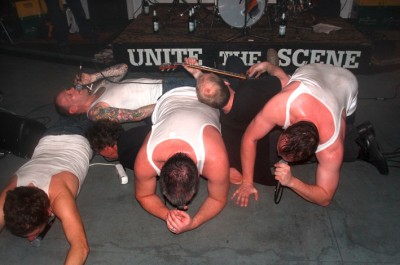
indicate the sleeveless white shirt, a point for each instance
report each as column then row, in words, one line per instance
column 55, row 154
column 179, row 115
column 335, row 87
column 131, row 93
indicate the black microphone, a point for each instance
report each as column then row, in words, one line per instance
column 278, row 188
column 40, row 237
column 79, row 86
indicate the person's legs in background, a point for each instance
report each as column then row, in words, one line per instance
column 85, row 28
column 360, row 143
column 58, row 19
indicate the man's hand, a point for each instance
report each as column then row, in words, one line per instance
column 83, row 79
column 178, row 221
column 192, row 61
column 283, row 174
column 257, row 69
column 243, row 193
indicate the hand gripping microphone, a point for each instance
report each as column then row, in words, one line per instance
column 278, row 188
column 79, row 87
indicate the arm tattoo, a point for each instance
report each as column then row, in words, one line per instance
column 120, row 115
column 114, row 73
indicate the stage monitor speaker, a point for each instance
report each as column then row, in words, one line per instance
column 108, row 12
column 19, row 135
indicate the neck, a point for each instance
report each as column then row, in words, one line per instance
column 227, row 108
column 89, row 101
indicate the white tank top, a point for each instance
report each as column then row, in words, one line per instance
column 179, row 115
column 335, row 87
column 55, row 154
column 131, row 93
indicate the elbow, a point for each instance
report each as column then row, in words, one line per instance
column 139, row 199
column 223, row 202
column 86, row 251
column 124, row 68
column 83, row 254
column 326, row 197
column 325, row 201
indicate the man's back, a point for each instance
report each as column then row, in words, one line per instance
column 197, row 136
column 179, row 115
column 334, row 86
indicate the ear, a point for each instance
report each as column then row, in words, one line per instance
column 108, row 148
column 115, row 147
column 73, row 109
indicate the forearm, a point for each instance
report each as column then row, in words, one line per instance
column 209, row 209
column 248, row 158
column 196, row 75
column 278, row 72
column 154, row 205
column 121, row 115
column 312, row 193
column 114, row 73
column 77, row 255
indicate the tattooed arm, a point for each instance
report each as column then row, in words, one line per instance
column 114, row 73
column 102, row 111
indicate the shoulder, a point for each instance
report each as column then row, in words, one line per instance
column 276, row 104
column 11, row 185
column 214, row 144
column 93, row 112
column 142, row 167
column 63, row 183
column 332, row 155
column 211, row 134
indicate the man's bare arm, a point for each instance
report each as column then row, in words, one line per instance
column 65, row 208
column 196, row 73
column 327, row 178
column 214, row 203
column 261, row 125
column 114, row 73
column 102, row 111
column 145, row 193
column 216, row 170
column 257, row 69
column 73, row 229
column 146, row 184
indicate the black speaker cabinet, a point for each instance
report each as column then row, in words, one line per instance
column 19, row 135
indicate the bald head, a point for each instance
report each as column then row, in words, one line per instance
column 212, row 91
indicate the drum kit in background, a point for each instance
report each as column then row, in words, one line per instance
column 246, row 13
